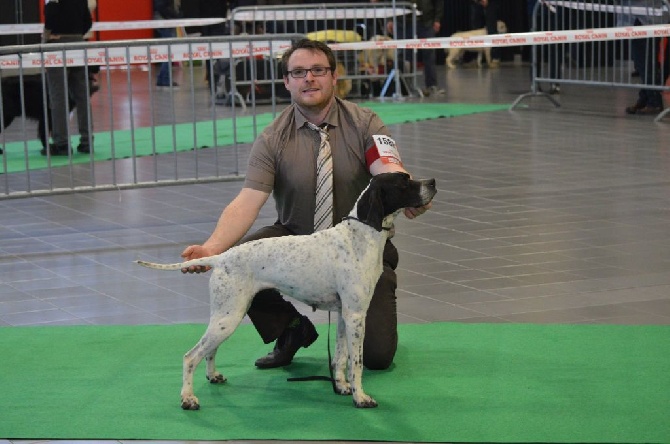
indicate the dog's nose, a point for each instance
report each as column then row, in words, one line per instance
column 428, row 183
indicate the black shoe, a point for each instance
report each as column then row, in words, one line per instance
column 84, row 149
column 56, row 150
column 648, row 110
column 302, row 334
column 174, row 85
column 634, row 109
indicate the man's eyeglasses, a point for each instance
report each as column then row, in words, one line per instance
column 317, row 71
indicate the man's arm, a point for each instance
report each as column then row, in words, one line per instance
column 233, row 224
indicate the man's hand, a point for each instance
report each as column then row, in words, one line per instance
column 196, row 252
column 411, row 213
column 436, row 27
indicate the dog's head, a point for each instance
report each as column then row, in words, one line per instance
column 388, row 193
column 502, row 27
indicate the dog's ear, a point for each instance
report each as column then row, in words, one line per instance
column 370, row 208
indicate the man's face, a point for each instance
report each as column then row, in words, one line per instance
column 310, row 92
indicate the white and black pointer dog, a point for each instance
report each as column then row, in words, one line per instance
column 334, row 269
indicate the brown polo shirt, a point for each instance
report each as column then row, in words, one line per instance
column 283, row 161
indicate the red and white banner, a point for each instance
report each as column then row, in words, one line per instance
column 144, row 54
column 519, row 39
column 184, row 52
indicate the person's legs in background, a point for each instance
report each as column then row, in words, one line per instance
column 652, row 76
column 644, row 54
column 59, row 113
column 491, row 13
column 163, row 78
column 77, row 81
column 93, row 82
column 428, row 57
column 212, row 30
column 477, row 16
column 556, row 53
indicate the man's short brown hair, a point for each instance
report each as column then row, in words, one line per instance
column 312, row 45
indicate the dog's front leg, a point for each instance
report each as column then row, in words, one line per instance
column 355, row 332
column 449, row 61
column 339, row 363
column 484, row 55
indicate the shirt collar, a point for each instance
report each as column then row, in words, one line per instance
column 332, row 118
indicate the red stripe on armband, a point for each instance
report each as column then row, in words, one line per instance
column 371, row 155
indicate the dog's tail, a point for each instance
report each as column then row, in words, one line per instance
column 205, row 261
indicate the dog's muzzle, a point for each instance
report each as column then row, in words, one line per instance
column 428, row 190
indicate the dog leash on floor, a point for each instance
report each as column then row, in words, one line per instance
column 330, row 367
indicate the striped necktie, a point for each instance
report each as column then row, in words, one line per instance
column 323, row 212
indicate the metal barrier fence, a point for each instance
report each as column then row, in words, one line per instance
column 633, row 59
column 143, row 135
column 363, row 73
column 149, row 136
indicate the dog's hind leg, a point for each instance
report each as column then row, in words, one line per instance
column 339, row 363
column 212, row 375
column 228, row 306
column 218, row 330
column 207, row 346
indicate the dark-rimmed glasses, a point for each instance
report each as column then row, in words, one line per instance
column 317, row 71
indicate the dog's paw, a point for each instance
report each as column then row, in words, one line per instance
column 190, row 403
column 218, row 378
column 343, row 388
column 365, row 402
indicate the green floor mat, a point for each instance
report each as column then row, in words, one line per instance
column 201, row 134
column 450, row 383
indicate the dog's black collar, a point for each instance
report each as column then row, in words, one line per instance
column 358, row 220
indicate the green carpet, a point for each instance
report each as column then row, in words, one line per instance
column 451, row 382
column 203, row 134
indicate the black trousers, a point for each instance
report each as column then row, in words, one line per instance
column 271, row 313
column 481, row 17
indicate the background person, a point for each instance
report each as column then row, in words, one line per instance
column 94, row 70
column 644, row 53
column 166, row 10
column 67, row 21
column 213, row 9
column 428, row 25
column 484, row 14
